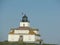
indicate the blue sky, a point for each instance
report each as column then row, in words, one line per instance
column 43, row 14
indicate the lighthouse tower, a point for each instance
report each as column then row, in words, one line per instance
column 24, row 22
column 24, row 33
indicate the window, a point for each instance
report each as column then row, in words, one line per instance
column 23, row 25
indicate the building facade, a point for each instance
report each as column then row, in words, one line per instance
column 24, row 33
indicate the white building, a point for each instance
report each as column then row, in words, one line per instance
column 24, row 33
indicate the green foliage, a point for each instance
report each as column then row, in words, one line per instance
column 16, row 43
column 20, row 43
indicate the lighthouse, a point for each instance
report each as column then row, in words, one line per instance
column 24, row 33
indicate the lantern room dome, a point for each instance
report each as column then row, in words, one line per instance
column 25, row 18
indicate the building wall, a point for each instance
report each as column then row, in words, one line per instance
column 12, row 37
column 37, row 37
column 24, row 24
column 37, row 32
column 25, row 38
column 21, row 31
column 28, row 38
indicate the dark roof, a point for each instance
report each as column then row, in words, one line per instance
column 24, row 16
column 25, row 19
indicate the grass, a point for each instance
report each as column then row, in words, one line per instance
column 20, row 43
